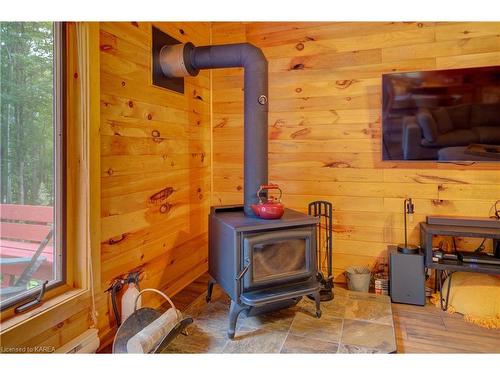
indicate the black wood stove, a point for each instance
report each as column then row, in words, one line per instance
column 260, row 263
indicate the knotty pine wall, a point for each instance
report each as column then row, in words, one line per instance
column 324, row 125
column 155, row 164
column 325, row 144
column 155, row 178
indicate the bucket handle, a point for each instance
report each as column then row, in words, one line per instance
column 161, row 294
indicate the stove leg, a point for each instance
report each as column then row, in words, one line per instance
column 234, row 311
column 317, row 299
column 210, row 288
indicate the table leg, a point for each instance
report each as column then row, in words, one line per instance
column 440, row 280
column 435, row 281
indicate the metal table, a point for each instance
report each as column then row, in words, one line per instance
column 427, row 231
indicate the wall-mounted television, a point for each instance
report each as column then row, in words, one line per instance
column 448, row 115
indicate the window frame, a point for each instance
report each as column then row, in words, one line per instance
column 60, row 185
column 83, row 202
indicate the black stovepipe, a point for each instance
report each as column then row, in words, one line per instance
column 186, row 60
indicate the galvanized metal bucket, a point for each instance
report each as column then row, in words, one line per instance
column 358, row 278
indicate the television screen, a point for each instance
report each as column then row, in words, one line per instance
column 443, row 115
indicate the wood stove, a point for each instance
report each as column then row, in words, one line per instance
column 259, row 263
column 262, row 264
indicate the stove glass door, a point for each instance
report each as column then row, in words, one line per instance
column 278, row 256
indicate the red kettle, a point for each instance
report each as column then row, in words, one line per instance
column 272, row 208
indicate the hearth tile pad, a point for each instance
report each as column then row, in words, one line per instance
column 298, row 344
column 352, row 323
column 379, row 337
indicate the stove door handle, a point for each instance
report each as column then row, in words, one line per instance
column 243, row 271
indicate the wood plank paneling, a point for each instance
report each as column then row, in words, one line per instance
column 155, row 165
column 162, row 152
column 324, row 125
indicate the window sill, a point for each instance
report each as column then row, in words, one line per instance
column 53, row 310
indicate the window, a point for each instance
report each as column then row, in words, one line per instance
column 32, row 159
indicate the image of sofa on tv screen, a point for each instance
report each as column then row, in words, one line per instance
column 443, row 133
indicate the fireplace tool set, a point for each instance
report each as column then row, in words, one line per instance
column 324, row 237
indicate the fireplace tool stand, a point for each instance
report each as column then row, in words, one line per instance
column 324, row 238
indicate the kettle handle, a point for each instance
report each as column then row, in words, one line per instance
column 269, row 187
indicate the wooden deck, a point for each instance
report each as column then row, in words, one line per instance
column 418, row 329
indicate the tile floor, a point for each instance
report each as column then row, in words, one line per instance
column 353, row 322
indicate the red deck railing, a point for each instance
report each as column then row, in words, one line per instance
column 22, row 228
